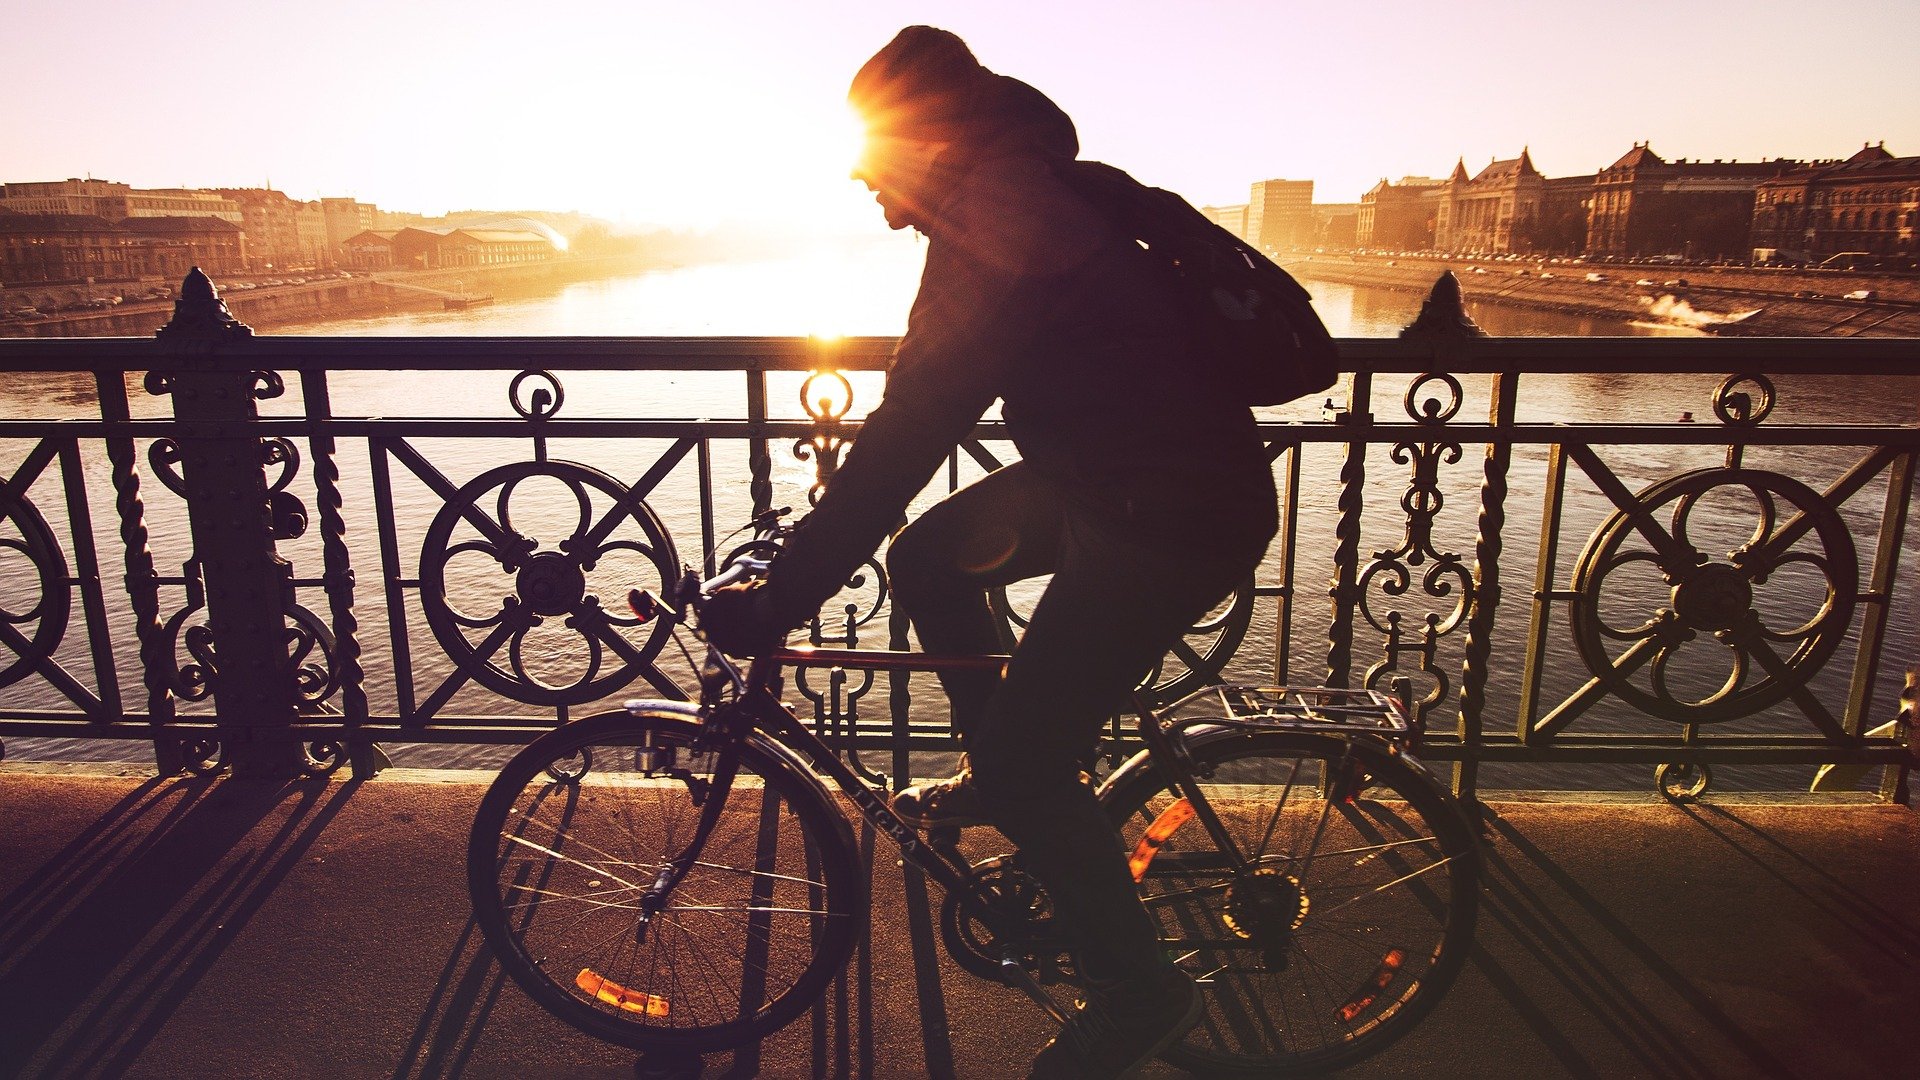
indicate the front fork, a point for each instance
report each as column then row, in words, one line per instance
column 654, row 900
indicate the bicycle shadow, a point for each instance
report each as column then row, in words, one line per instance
column 104, row 941
column 886, row 1015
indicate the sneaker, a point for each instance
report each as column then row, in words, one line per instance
column 1120, row 1026
column 953, row 803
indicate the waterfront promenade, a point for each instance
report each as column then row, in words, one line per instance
column 195, row 928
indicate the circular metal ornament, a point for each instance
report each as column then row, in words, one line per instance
column 1433, row 410
column 51, row 602
column 1736, row 406
column 203, row 756
column 573, row 769
column 1682, row 782
column 827, row 406
column 323, row 757
column 485, row 629
column 1710, row 617
column 546, row 400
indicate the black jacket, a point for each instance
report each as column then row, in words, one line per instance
column 1030, row 297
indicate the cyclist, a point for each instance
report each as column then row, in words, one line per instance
column 1144, row 492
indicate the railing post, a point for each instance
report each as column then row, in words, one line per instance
column 248, row 586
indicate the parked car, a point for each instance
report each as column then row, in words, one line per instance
column 1861, row 295
column 1596, row 277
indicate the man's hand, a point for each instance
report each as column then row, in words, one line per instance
column 739, row 620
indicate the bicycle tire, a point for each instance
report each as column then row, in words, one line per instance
column 579, row 823
column 1349, row 925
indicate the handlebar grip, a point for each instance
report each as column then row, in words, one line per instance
column 744, row 566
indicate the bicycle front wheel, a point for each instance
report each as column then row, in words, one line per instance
column 578, row 827
column 1332, row 919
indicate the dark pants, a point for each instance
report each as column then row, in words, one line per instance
column 1124, row 588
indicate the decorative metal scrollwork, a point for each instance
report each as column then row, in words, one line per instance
column 311, row 656
column 165, row 456
column 323, row 757
column 546, row 400
column 50, row 602
column 194, row 679
column 281, row 452
column 1718, row 634
column 203, row 756
column 1682, row 782
column 1392, row 573
column 520, row 572
column 826, row 444
column 1734, row 405
column 267, row 385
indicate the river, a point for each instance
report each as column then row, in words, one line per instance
column 867, row 290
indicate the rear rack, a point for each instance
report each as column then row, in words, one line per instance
column 1304, row 708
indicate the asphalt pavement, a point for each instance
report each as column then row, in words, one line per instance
column 196, row 928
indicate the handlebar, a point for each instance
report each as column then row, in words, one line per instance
column 747, row 564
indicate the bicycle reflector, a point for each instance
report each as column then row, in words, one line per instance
column 1390, row 965
column 1163, row 826
column 605, row 989
column 643, row 604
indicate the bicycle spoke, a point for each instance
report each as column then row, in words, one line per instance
column 1342, row 906
column 544, row 850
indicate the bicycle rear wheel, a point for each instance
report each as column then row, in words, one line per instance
column 1341, row 923
column 579, row 825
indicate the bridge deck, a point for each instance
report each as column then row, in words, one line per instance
column 171, row 928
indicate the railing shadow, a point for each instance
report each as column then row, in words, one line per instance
column 1661, row 1045
column 107, row 940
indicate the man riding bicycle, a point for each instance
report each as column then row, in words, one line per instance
column 1143, row 489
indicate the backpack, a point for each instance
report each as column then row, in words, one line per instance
column 1255, row 323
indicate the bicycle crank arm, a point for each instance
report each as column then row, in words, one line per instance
column 1022, row 979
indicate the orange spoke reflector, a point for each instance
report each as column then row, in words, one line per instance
column 1389, row 967
column 1163, row 826
column 614, row 994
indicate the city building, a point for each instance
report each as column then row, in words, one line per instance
column 1280, row 214
column 345, row 219
column 493, row 247
column 181, row 202
column 168, row 247
column 1335, row 225
column 1231, row 218
column 1864, row 211
column 1509, row 207
column 275, row 238
column 1397, row 217
column 371, row 249
column 310, row 235
column 1645, row 205
column 53, row 248
column 114, row 201
column 75, row 197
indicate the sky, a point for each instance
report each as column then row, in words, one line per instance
column 701, row 115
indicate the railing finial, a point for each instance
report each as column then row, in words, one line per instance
column 199, row 312
column 1444, row 314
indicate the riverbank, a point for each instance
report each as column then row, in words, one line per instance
column 1744, row 301
column 383, row 292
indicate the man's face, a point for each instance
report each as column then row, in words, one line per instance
column 899, row 173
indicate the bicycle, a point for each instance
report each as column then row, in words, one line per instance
column 680, row 878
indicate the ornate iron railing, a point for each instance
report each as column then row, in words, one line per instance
column 1699, row 595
